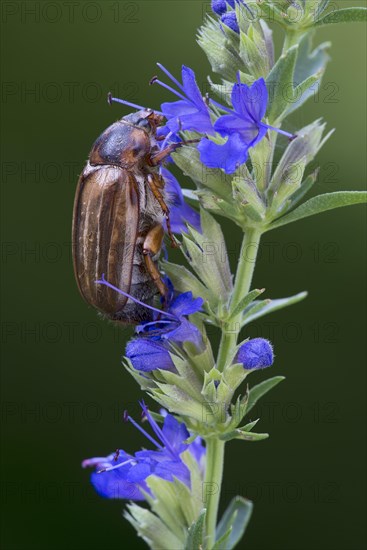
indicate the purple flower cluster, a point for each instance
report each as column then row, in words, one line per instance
column 150, row 349
column 229, row 17
column 123, row 476
column 241, row 127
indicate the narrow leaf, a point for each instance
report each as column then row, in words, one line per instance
column 261, row 389
column 242, row 304
column 304, row 189
column 222, row 543
column 345, row 15
column 240, row 433
column 183, row 280
column 321, row 203
column 271, row 306
column 254, row 310
column 236, row 516
column 281, row 77
column 196, row 531
column 323, row 4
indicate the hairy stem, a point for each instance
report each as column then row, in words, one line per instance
column 212, row 486
column 245, row 270
column 292, row 38
column 215, row 447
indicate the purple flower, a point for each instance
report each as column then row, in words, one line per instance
column 123, row 475
column 170, row 324
column 175, row 327
column 180, row 211
column 243, row 127
column 148, row 355
column 230, row 19
column 191, row 112
column 256, row 354
column 220, row 6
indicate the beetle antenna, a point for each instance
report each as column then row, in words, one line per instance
column 160, row 311
column 111, row 99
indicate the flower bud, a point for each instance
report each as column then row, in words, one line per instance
column 256, row 354
column 220, row 6
column 230, row 19
column 147, row 355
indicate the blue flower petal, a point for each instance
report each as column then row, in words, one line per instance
column 219, row 6
column 192, row 89
column 186, row 304
column 169, row 470
column 114, row 485
column 190, row 112
column 185, row 332
column 228, row 156
column 180, row 211
column 232, row 124
column 139, row 472
column 250, row 102
column 197, row 449
column 230, row 19
column 178, row 108
column 147, row 355
column 197, row 121
column 257, row 100
column 127, row 476
column 256, row 354
column 176, row 433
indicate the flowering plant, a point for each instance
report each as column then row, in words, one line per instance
column 229, row 139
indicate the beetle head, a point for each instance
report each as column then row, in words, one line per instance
column 145, row 119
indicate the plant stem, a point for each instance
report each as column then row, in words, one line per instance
column 292, row 38
column 245, row 270
column 215, row 447
column 212, row 486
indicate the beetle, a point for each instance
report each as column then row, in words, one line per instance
column 119, row 210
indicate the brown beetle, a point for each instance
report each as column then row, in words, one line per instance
column 118, row 214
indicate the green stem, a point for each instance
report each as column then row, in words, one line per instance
column 212, row 486
column 245, row 270
column 215, row 447
column 292, row 38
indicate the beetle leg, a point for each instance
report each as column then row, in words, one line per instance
column 151, row 246
column 159, row 157
column 155, row 184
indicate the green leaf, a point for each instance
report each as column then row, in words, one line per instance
column 152, row 529
column 345, row 15
column 280, row 79
column 188, row 159
column 208, row 257
column 261, row 389
column 299, row 152
column 183, row 280
column 222, row 543
column 235, row 519
column 220, row 44
column 196, row 533
column 304, row 189
column 254, row 310
column 310, row 67
column 246, row 300
column 166, row 504
column 272, row 305
column 323, row 4
column 240, row 433
column 319, row 204
column 309, row 61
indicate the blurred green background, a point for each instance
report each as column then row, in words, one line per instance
column 63, row 389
